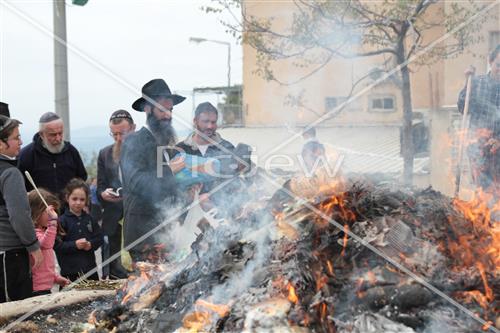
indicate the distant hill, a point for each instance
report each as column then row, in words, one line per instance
column 87, row 140
column 91, row 139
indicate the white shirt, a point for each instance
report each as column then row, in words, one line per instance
column 203, row 149
column 9, row 157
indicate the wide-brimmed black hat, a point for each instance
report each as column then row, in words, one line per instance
column 156, row 88
column 4, row 109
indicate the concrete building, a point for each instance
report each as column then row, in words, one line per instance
column 434, row 93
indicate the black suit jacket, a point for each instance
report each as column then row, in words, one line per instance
column 148, row 185
column 107, row 177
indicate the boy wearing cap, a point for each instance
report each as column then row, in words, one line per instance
column 51, row 161
column 18, row 241
column 108, row 182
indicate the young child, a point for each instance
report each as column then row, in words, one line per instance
column 75, row 250
column 46, row 227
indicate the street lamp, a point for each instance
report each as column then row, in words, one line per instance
column 198, row 40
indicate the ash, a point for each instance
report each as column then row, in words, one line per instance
column 349, row 262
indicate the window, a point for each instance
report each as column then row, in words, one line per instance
column 332, row 102
column 494, row 40
column 382, row 103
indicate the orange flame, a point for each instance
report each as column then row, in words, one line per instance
column 474, row 295
column 346, row 238
column 323, row 311
column 196, row 321
column 221, row 309
column 201, row 320
column 489, row 292
column 478, row 243
column 371, row 277
column 359, row 284
column 330, row 268
column 321, row 281
column 335, row 203
column 137, row 284
column 484, row 242
column 292, row 296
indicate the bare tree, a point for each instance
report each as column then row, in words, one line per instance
column 322, row 30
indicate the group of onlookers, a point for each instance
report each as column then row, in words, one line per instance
column 157, row 171
column 48, row 234
column 141, row 177
column 53, row 217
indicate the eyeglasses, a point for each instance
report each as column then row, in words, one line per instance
column 115, row 135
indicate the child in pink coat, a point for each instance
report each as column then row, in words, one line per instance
column 46, row 228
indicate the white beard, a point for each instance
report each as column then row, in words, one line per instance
column 53, row 149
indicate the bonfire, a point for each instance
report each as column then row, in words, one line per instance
column 366, row 259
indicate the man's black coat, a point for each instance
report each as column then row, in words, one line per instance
column 148, row 186
column 107, row 177
column 51, row 171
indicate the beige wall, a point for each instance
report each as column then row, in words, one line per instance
column 434, row 89
column 265, row 102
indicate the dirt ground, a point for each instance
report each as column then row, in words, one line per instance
column 64, row 319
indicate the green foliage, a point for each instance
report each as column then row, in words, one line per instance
column 80, row 2
column 234, row 97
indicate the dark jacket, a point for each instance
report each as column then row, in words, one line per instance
column 51, row 171
column 16, row 227
column 484, row 112
column 107, row 177
column 484, row 104
column 191, row 148
column 148, row 185
column 223, row 151
column 71, row 259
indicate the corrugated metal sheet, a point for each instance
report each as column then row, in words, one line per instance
column 366, row 149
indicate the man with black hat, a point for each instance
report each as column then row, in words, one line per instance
column 109, row 185
column 147, row 171
column 51, row 161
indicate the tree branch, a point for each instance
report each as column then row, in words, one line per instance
column 330, row 57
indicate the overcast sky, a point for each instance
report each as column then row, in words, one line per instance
column 135, row 40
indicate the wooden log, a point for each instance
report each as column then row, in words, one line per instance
column 49, row 302
column 405, row 297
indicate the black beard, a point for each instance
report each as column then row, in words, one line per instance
column 162, row 130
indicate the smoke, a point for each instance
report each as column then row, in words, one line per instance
column 241, row 281
column 226, row 231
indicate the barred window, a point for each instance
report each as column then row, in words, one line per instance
column 382, row 103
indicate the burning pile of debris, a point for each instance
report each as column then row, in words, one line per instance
column 370, row 259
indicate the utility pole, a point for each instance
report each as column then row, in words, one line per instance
column 61, row 65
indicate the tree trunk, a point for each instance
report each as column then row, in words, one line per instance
column 407, row 142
